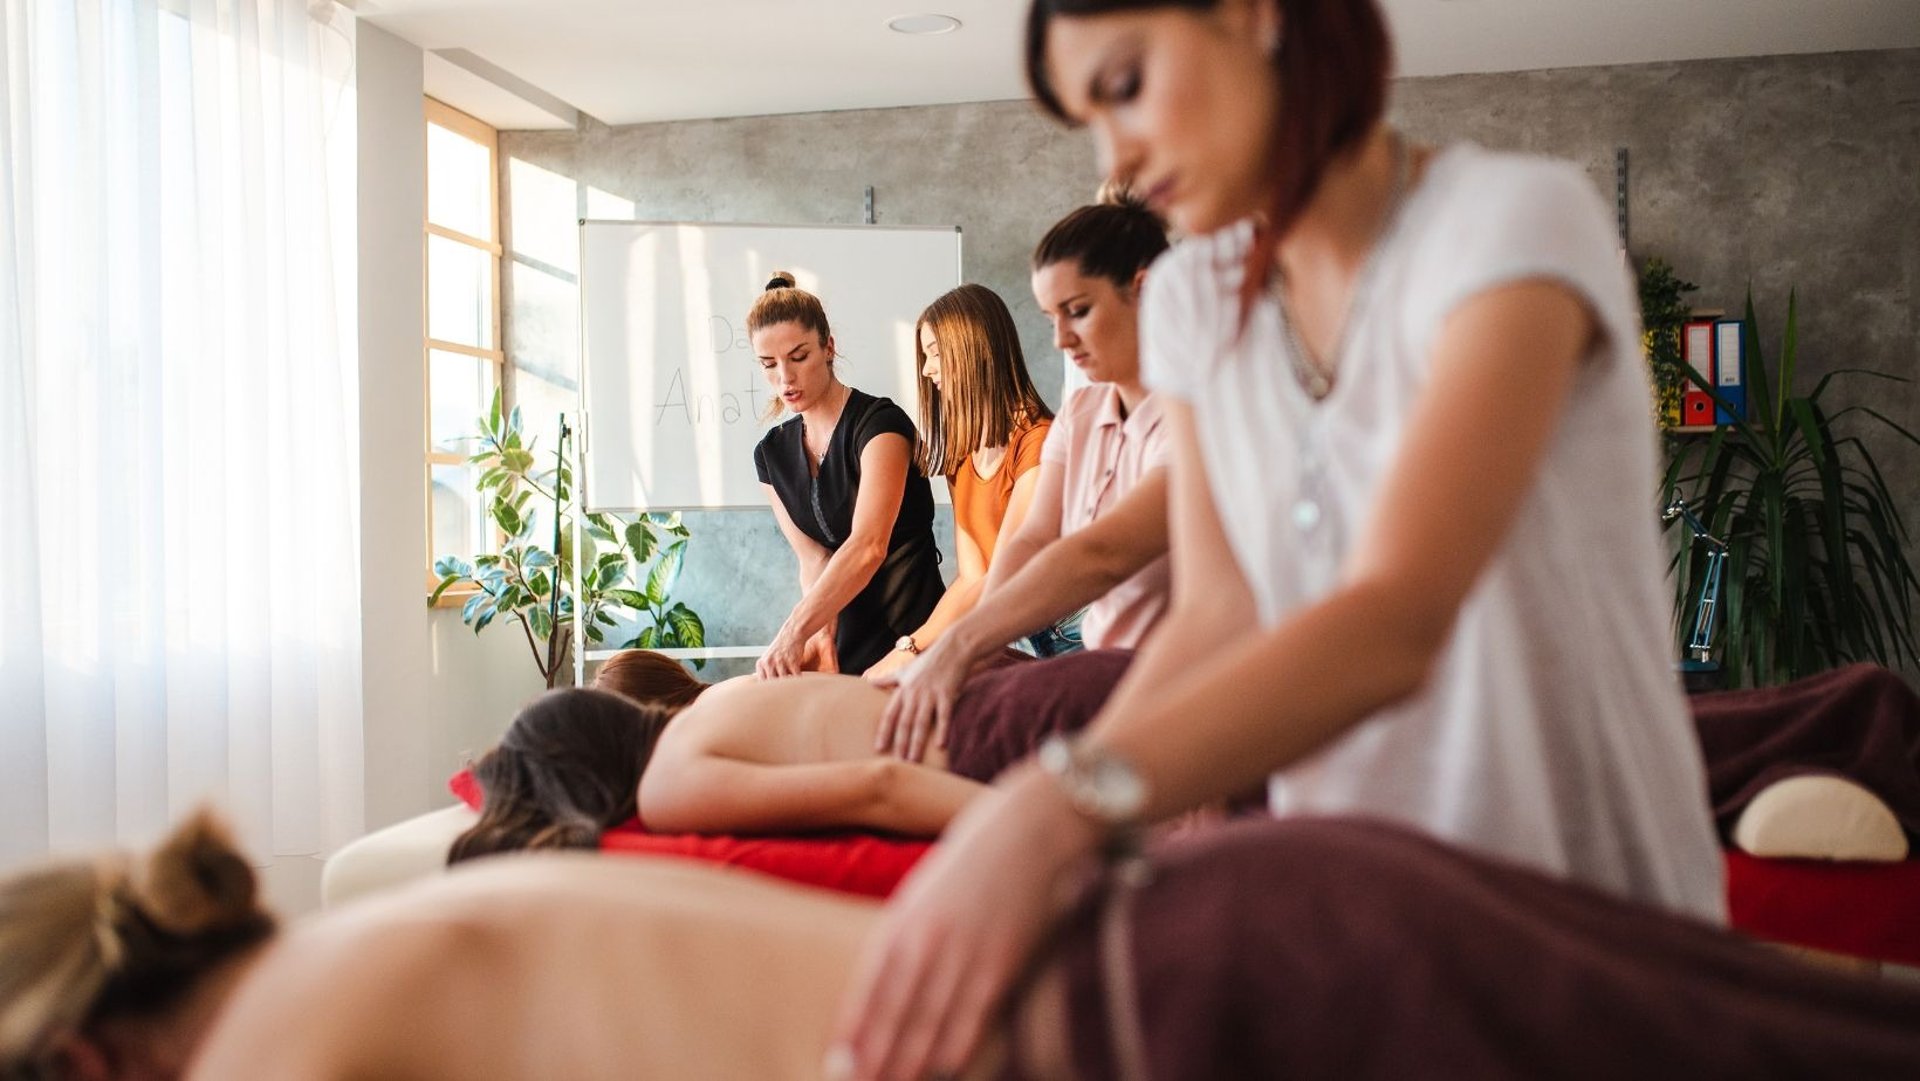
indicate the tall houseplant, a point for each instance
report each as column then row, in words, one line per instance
column 531, row 583
column 1817, row 572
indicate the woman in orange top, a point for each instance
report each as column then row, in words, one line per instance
column 981, row 425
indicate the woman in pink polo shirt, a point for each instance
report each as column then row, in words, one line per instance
column 1096, row 533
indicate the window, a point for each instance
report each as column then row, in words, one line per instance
column 463, row 356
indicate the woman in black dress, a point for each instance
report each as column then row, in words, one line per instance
column 843, row 485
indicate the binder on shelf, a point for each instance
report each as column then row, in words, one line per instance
column 1696, row 408
column 1730, row 370
column 1696, row 352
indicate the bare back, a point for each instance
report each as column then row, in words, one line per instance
column 551, row 966
column 800, row 720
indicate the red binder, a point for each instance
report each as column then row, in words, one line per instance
column 1696, row 408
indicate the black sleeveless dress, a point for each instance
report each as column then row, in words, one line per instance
column 904, row 590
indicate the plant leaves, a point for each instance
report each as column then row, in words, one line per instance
column 665, row 573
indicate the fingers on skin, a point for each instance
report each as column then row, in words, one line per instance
column 904, row 959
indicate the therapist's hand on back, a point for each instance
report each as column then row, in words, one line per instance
column 916, row 717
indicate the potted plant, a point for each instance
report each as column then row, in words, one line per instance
column 1663, row 312
column 1816, row 571
column 531, row 583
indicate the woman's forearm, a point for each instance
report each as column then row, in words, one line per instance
column 918, row 800
column 1066, row 576
column 845, row 574
column 1205, row 720
column 959, row 599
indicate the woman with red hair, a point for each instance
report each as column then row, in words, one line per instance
column 1415, row 573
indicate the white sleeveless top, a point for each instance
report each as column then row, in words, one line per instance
column 1553, row 732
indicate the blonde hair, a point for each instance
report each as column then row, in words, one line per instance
column 985, row 393
column 784, row 302
column 83, row 942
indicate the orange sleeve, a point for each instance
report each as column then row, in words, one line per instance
column 1027, row 446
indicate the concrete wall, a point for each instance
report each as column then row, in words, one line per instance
column 1779, row 170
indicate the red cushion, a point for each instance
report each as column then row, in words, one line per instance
column 853, row 863
column 1859, row 909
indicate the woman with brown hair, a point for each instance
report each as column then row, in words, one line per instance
column 846, row 493
column 982, row 426
column 756, row 756
column 1394, row 594
column 1095, row 536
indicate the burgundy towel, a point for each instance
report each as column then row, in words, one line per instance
column 1861, row 722
column 1004, row 713
column 1310, row 948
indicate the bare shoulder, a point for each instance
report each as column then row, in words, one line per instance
column 355, row 994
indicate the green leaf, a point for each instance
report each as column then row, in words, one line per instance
column 441, row 588
column 640, row 538
column 665, row 573
column 472, row 607
column 539, row 557
column 542, row 623
column 627, row 598
column 688, row 631
column 452, row 567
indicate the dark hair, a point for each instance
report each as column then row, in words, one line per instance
column 567, row 770
column 1331, row 66
column 988, row 393
column 1114, row 239
column 783, row 302
column 649, row 678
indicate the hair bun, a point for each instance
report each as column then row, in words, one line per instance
column 197, row 880
column 781, row 280
column 1114, row 191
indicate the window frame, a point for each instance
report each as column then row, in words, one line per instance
column 439, row 113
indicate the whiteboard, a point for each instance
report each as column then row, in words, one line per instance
column 671, row 392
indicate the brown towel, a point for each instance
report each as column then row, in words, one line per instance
column 1004, row 713
column 1312, row 948
column 1861, row 722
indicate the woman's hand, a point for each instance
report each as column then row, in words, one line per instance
column 951, row 941
column 886, row 667
column 917, row 715
column 787, row 656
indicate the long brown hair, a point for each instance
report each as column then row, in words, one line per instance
column 567, row 770
column 985, row 393
column 1331, row 68
column 649, row 677
column 86, row 943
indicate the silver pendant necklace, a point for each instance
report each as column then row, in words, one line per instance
column 1315, row 376
column 1317, row 379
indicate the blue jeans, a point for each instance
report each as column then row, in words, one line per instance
column 1062, row 637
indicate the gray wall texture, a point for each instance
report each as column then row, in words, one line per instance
column 1782, row 172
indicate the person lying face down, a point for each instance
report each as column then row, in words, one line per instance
column 1305, row 949
column 757, row 756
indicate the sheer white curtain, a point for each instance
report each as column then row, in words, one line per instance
column 179, row 583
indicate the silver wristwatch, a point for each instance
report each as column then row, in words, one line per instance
column 1100, row 784
column 906, row 644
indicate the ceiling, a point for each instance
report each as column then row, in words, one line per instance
column 632, row 61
